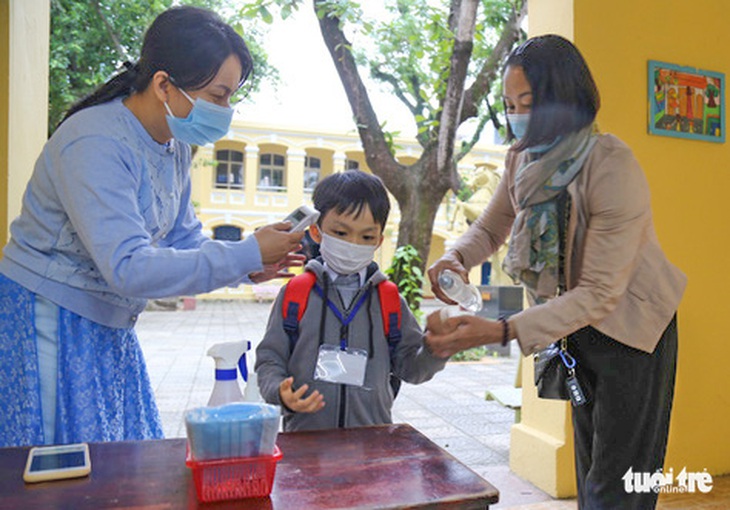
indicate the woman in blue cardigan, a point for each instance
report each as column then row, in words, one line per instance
column 106, row 224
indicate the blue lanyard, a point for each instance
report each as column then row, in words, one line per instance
column 345, row 321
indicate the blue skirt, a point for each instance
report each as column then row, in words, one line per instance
column 103, row 391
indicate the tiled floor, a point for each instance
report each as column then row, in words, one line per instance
column 450, row 409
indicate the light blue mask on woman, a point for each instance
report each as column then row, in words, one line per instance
column 518, row 123
column 206, row 122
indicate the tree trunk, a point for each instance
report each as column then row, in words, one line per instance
column 450, row 117
column 419, row 205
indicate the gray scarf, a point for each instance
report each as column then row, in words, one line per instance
column 533, row 256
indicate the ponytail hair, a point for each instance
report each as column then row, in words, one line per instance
column 120, row 84
column 188, row 43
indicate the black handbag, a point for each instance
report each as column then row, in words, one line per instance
column 551, row 373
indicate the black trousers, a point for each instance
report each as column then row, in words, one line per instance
column 625, row 424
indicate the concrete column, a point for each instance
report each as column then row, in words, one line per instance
column 541, row 445
column 202, row 174
column 24, row 50
column 251, row 172
column 295, row 176
column 339, row 161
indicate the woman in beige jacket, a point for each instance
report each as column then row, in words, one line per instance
column 605, row 283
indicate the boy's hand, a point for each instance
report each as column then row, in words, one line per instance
column 463, row 332
column 294, row 401
column 436, row 323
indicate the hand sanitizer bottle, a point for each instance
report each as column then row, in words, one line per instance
column 251, row 392
column 227, row 357
column 466, row 295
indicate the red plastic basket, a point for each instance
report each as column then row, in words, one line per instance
column 234, row 478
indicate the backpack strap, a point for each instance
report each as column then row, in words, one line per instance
column 296, row 295
column 390, row 310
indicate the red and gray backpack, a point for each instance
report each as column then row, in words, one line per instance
column 296, row 296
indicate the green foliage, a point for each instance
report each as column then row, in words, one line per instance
column 464, row 193
column 262, row 9
column 90, row 40
column 411, row 55
column 390, row 137
column 82, row 53
column 406, row 273
column 344, row 10
column 473, row 354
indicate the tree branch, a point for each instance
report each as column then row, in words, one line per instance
column 389, row 78
column 454, row 9
column 110, row 30
column 422, row 131
column 483, row 82
column 377, row 152
column 451, row 111
column 466, row 147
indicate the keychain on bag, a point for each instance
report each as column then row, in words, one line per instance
column 575, row 392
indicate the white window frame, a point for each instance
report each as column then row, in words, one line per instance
column 272, row 174
column 228, row 165
column 312, row 172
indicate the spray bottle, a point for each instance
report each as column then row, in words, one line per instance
column 229, row 358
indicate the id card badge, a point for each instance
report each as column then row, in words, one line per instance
column 341, row 366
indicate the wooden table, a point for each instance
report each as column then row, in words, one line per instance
column 392, row 466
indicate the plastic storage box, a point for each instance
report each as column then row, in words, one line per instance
column 235, row 478
column 241, row 429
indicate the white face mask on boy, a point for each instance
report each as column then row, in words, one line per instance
column 343, row 257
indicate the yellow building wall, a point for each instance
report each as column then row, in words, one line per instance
column 688, row 181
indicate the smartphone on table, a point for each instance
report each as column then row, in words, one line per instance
column 57, row 462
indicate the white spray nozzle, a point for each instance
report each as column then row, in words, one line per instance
column 229, row 359
column 226, row 355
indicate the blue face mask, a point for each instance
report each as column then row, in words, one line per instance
column 206, row 122
column 518, row 123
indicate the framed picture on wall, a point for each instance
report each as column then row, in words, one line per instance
column 686, row 102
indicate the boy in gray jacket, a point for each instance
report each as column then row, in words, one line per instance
column 340, row 350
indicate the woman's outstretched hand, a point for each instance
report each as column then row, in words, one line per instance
column 276, row 242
